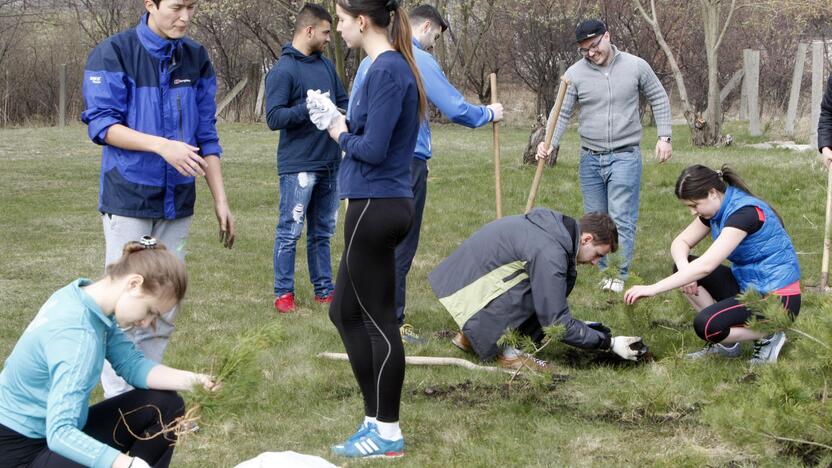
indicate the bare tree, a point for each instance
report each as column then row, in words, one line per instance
column 100, row 19
column 543, row 33
column 705, row 126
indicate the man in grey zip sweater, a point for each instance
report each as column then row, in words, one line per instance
column 606, row 83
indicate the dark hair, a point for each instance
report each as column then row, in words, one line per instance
column 696, row 181
column 379, row 12
column 426, row 12
column 310, row 15
column 602, row 228
column 163, row 272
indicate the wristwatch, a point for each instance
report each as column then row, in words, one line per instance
column 665, row 139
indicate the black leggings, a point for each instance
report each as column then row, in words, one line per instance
column 714, row 323
column 104, row 425
column 363, row 308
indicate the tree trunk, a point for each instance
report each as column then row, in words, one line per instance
column 441, row 50
column 337, row 45
column 705, row 127
column 708, row 132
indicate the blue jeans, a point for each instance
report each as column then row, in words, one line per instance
column 406, row 250
column 311, row 198
column 610, row 183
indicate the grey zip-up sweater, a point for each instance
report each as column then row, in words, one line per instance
column 609, row 100
column 509, row 271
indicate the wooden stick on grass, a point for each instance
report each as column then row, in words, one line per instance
column 428, row 361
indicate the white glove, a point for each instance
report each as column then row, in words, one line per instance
column 322, row 112
column 620, row 345
column 138, row 463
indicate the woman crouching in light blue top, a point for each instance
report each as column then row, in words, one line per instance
column 45, row 385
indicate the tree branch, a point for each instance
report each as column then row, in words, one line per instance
column 727, row 23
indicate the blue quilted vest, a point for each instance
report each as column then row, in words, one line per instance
column 765, row 260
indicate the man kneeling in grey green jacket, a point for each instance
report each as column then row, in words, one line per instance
column 516, row 273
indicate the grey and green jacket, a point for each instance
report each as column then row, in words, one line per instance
column 609, row 101
column 511, row 270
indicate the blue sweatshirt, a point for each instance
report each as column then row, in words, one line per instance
column 302, row 146
column 440, row 92
column 46, row 382
column 382, row 132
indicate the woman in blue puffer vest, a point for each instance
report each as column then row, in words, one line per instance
column 750, row 234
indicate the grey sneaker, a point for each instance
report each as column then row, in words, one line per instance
column 717, row 349
column 767, row 349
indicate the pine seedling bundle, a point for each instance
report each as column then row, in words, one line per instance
column 237, row 375
column 237, row 370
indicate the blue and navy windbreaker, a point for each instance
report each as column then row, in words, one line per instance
column 155, row 86
column 765, row 260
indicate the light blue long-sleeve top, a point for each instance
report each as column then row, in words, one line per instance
column 46, row 382
column 440, row 92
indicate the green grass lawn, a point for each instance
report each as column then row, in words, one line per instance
column 599, row 412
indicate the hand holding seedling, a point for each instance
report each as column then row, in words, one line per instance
column 208, row 382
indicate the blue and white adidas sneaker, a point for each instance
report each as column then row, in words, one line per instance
column 362, row 429
column 367, row 443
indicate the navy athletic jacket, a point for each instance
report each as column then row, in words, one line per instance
column 156, row 86
column 382, row 133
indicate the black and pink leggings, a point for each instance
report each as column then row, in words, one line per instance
column 714, row 323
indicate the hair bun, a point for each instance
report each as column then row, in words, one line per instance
column 392, row 5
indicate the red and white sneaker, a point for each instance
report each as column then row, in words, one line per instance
column 285, row 303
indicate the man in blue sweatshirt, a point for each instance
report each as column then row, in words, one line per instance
column 427, row 25
column 307, row 159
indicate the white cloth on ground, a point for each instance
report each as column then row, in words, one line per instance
column 285, row 459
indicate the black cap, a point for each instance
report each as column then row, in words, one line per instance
column 589, row 29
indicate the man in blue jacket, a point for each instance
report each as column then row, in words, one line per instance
column 149, row 93
column 307, row 158
column 427, row 25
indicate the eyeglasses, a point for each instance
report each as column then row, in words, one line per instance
column 592, row 47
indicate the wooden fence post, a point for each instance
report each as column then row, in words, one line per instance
column 751, row 61
column 261, row 93
column 794, row 95
column 735, row 80
column 62, row 97
column 744, row 97
column 817, row 89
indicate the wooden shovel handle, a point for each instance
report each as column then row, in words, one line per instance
column 498, row 192
column 547, row 141
column 824, row 271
